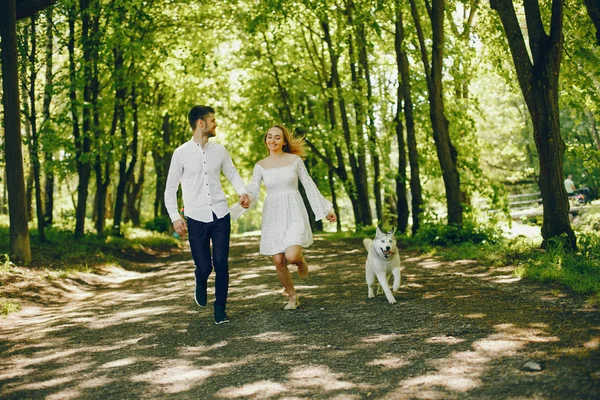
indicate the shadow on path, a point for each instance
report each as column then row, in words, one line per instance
column 458, row 331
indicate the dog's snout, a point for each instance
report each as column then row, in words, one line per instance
column 387, row 248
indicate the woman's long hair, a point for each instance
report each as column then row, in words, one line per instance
column 292, row 144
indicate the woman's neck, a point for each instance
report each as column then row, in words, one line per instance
column 277, row 154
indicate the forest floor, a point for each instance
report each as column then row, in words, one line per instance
column 458, row 331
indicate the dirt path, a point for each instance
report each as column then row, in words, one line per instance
column 458, row 331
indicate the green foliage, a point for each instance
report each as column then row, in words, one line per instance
column 159, row 224
column 578, row 271
column 439, row 233
column 588, row 221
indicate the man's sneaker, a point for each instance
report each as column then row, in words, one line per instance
column 220, row 316
column 200, row 295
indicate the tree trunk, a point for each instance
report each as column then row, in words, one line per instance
column 406, row 99
column 595, row 134
column 34, row 153
column 48, row 91
column 363, row 206
column 83, row 141
column 446, row 151
column 539, row 84
column 371, row 129
column 133, row 194
column 161, row 166
column 19, row 232
column 359, row 111
column 593, row 9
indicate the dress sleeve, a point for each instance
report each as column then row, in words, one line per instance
column 253, row 190
column 319, row 204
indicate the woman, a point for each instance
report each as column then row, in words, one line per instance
column 285, row 227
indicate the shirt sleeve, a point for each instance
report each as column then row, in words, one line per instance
column 232, row 173
column 173, row 180
column 319, row 204
column 253, row 190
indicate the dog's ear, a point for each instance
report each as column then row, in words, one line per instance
column 378, row 232
column 391, row 232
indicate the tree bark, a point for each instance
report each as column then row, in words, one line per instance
column 361, row 208
column 446, row 151
column 411, row 141
column 19, row 232
column 371, row 129
column 162, row 161
column 34, row 153
column 539, row 84
column 48, row 92
column 83, row 141
column 593, row 9
column 360, row 116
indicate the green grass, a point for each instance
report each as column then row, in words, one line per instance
column 8, row 306
column 63, row 252
column 579, row 271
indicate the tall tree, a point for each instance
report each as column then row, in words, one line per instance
column 19, row 232
column 405, row 99
column 34, row 151
column 538, row 78
column 446, row 152
column 48, row 92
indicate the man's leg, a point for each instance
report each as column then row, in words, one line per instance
column 199, row 237
column 220, row 251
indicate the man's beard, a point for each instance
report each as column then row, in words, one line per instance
column 210, row 133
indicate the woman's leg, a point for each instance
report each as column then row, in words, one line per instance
column 293, row 254
column 284, row 275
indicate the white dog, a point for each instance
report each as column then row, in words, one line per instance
column 383, row 260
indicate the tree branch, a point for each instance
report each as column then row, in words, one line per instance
column 26, row 8
column 516, row 42
column 535, row 27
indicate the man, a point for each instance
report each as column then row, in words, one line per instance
column 197, row 165
column 570, row 186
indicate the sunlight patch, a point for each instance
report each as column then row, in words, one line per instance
column 118, row 363
column 389, row 362
column 592, row 344
column 430, row 264
column 476, row 315
column 175, row 377
column 380, row 338
column 260, row 389
column 444, row 340
column 273, row 337
column 321, row 376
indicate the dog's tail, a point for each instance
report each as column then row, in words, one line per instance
column 367, row 243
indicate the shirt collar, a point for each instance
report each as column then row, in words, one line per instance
column 193, row 143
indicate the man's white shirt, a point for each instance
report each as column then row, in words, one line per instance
column 199, row 172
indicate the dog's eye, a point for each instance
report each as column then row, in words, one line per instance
column 383, row 241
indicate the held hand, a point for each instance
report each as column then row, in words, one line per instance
column 331, row 217
column 180, row 227
column 244, row 201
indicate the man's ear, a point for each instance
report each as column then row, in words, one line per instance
column 200, row 123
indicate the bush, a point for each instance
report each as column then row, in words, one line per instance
column 159, row 224
column 442, row 234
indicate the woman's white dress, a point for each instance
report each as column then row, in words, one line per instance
column 284, row 217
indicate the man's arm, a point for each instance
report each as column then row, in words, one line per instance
column 232, row 174
column 173, row 180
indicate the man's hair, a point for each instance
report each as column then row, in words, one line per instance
column 199, row 112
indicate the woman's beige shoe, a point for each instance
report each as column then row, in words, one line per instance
column 292, row 305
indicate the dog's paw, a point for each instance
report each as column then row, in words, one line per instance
column 392, row 301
